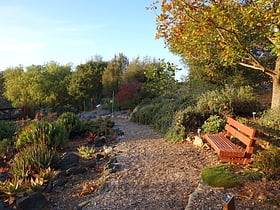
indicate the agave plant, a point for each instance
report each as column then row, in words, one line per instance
column 86, row 152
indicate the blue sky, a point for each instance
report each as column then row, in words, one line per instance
column 73, row 31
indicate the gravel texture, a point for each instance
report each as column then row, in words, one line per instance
column 156, row 174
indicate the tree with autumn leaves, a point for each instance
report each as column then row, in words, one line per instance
column 225, row 33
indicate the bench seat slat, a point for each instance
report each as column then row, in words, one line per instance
column 223, row 146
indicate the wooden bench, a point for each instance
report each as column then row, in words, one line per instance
column 227, row 150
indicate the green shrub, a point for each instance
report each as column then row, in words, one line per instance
column 220, row 176
column 8, row 129
column 252, row 175
column 214, row 124
column 145, row 114
column 7, row 147
column 105, row 121
column 163, row 119
column 185, row 122
column 51, row 134
column 71, row 122
column 228, row 101
column 99, row 126
column 271, row 118
column 176, row 133
column 158, row 112
column 63, row 109
column 268, row 126
column 31, row 159
column 268, row 161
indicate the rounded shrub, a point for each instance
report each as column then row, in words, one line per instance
column 185, row 122
column 268, row 161
column 214, row 124
column 144, row 114
column 71, row 122
column 8, row 129
column 229, row 101
column 271, row 118
column 99, row 126
column 51, row 134
column 220, row 176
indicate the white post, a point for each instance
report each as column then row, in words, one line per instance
column 113, row 104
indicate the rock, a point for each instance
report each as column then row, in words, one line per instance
column 4, row 176
column 100, row 141
column 118, row 131
column 68, row 161
column 112, row 167
column 49, row 188
column 113, row 160
column 90, row 164
column 34, row 201
column 2, row 206
column 9, row 208
column 75, row 170
column 198, row 141
column 189, row 139
column 99, row 156
column 73, row 207
column 59, row 182
column 93, row 114
column 108, row 150
column 2, row 163
column 77, row 207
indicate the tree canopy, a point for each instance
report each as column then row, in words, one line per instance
column 225, row 32
column 85, row 83
column 37, row 86
column 112, row 75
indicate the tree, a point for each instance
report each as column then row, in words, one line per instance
column 127, row 94
column 37, row 86
column 160, row 78
column 135, row 71
column 86, row 82
column 225, row 32
column 4, row 103
column 112, row 75
column 55, row 81
column 15, row 90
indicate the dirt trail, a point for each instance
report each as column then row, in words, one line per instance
column 154, row 174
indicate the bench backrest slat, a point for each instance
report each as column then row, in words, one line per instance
column 250, row 132
column 239, row 135
column 242, row 132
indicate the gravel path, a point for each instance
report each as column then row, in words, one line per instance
column 154, row 174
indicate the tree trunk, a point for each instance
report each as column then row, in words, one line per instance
column 275, row 101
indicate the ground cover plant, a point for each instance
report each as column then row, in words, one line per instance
column 214, row 124
column 220, row 176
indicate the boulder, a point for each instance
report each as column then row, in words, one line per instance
column 198, row 141
column 100, row 141
column 34, row 201
column 75, row 170
column 68, row 161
